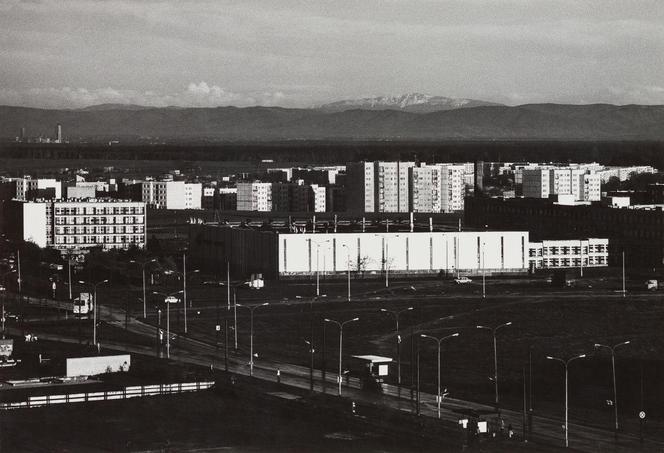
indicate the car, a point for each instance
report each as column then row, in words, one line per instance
column 462, row 280
column 2, row 288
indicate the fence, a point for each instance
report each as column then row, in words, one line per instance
column 127, row 392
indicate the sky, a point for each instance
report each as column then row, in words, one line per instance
column 302, row 53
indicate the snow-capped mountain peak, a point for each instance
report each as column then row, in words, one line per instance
column 415, row 102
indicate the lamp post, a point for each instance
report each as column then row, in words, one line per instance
column 94, row 307
column 483, row 272
column 311, row 366
column 142, row 264
column 318, row 244
column 348, row 266
column 386, row 249
column 566, row 365
column 168, row 300
column 251, row 309
column 396, row 317
column 228, row 284
column 341, row 339
column 184, row 286
column 18, row 262
column 613, row 368
column 495, row 356
column 439, row 341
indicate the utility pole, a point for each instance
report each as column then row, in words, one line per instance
column 623, row 273
column 184, row 288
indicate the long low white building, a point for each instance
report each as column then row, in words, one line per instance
column 282, row 255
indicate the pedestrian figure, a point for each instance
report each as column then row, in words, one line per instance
column 510, row 431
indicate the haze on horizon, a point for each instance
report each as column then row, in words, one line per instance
column 205, row 53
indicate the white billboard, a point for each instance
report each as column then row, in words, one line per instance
column 90, row 366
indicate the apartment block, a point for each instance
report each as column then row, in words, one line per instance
column 254, row 196
column 378, row 186
column 78, row 224
column 172, row 194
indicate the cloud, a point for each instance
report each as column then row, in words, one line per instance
column 199, row 94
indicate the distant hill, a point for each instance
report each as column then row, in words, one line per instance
column 413, row 102
column 100, row 107
column 525, row 122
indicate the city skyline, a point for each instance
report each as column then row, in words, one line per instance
column 300, row 54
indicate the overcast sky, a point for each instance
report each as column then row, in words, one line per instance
column 73, row 53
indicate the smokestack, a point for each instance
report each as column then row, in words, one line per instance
column 313, row 222
column 58, row 133
column 430, row 224
column 335, row 223
column 412, row 224
column 363, row 224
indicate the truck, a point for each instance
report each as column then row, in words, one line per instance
column 82, row 304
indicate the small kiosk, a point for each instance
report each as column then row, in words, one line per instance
column 373, row 370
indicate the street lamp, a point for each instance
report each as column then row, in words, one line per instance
column 311, row 366
column 341, row 339
column 184, row 286
column 94, row 307
column 613, row 367
column 251, row 309
column 168, row 300
column 396, row 317
column 566, row 365
column 386, row 249
column 495, row 355
column 318, row 244
column 143, row 264
column 483, row 272
column 439, row 341
column 348, row 266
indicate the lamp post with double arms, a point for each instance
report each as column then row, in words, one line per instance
column 94, row 307
column 143, row 264
column 495, row 356
column 396, row 318
column 439, row 341
column 184, row 276
column 613, row 368
column 169, row 298
column 251, row 309
column 341, row 340
column 566, row 365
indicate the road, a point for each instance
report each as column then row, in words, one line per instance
column 195, row 351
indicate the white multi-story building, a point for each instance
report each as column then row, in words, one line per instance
column 254, row 196
column 172, row 194
column 378, row 186
column 556, row 254
column 453, row 188
column 80, row 224
column 426, row 188
column 583, row 184
column 24, row 187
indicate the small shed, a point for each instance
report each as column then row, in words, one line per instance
column 377, row 365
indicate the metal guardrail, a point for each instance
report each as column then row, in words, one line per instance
column 127, row 392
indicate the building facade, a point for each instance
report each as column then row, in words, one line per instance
column 172, row 194
column 254, row 196
column 79, row 224
column 284, row 254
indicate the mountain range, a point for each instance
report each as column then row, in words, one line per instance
column 412, row 102
column 387, row 118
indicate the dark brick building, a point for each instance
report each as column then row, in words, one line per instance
column 639, row 232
